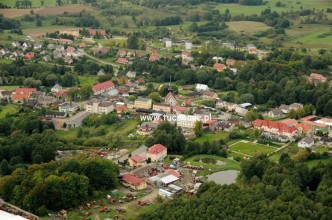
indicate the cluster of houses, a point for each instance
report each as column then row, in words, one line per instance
column 29, row 50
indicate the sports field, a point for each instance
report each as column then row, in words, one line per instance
column 251, row 148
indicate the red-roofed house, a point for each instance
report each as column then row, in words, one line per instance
column 180, row 109
column 157, row 152
column 102, row 87
column 275, row 128
column 94, row 32
column 137, row 160
column 187, row 102
column 303, row 128
column 174, row 173
column 29, row 55
column 153, row 58
column 83, row 45
column 317, row 78
column 219, row 67
column 65, row 41
column 122, row 53
column 70, row 50
column 121, row 109
column 133, row 182
column 122, row 60
column 140, row 80
column 186, row 56
column 63, row 94
column 22, row 94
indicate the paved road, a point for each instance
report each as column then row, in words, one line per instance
column 99, row 60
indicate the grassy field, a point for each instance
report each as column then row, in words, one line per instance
column 247, row 26
column 212, row 137
column 8, row 88
column 87, row 80
column 7, row 109
column 313, row 163
column 251, row 148
column 35, row 3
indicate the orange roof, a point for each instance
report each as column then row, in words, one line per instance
column 83, row 45
column 156, row 149
column 180, row 108
column 174, row 173
column 304, row 127
column 219, row 67
column 210, row 122
column 29, row 55
column 153, row 58
column 317, row 76
column 122, row 60
column 103, row 85
column 281, row 127
column 121, row 108
column 289, row 122
column 138, row 158
column 25, row 90
column 21, row 96
column 131, row 179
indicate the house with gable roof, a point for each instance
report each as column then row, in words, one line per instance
column 157, row 152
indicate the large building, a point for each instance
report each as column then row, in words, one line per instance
column 102, row 87
column 170, row 99
column 22, row 94
column 186, row 121
column 165, row 107
column 133, row 182
column 157, row 152
column 143, row 103
column 275, row 128
column 99, row 106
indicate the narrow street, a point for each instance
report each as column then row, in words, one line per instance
column 99, row 60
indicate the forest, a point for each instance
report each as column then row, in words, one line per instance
column 58, row 184
column 266, row 190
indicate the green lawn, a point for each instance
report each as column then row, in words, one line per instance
column 87, row 80
column 35, row 3
column 8, row 88
column 7, row 109
column 312, row 163
column 251, row 148
column 213, row 167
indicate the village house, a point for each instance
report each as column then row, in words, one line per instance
column 137, row 160
column 65, row 41
column 101, row 72
column 241, row 111
column 170, row 99
column 143, row 103
column 121, row 53
column 306, row 142
column 275, row 113
column 16, row 44
column 122, row 60
column 230, row 62
column 29, row 55
column 251, row 49
column 99, row 106
column 76, row 121
column 201, row 87
column 22, row 94
column 146, row 128
column 157, row 152
column 323, row 124
column 303, row 128
column 62, row 94
column 69, row 107
column 45, row 100
column 140, row 80
column 37, row 46
column 177, row 109
column 68, row 60
column 219, row 67
column 188, row 45
column 168, row 43
column 153, row 58
column 164, row 107
column 133, row 182
column 186, row 121
column 209, row 95
column 131, row 53
column 186, row 103
column 56, row 88
column 131, row 74
column 47, row 58
column 6, row 95
column 317, row 78
column 102, row 87
column 275, row 128
column 186, row 56
column 93, row 33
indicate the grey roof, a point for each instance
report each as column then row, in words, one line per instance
column 308, row 140
column 143, row 99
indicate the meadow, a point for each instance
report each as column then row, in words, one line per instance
column 250, row 148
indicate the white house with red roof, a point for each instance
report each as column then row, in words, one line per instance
column 137, row 160
column 133, row 182
column 157, row 152
column 102, row 87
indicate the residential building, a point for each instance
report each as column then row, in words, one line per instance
column 131, row 74
column 6, row 95
column 29, row 55
column 56, row 88
column 131, row 105
column 99, row 106
column 276, row 128
column 131, row 53
column 165, row 107
column 50, row 115
column 219, row 67
column 147, row 128
column 45, row 100
column 101, row 33
column 230, row 62
column 241, row 111
column 77, row 120
column 186, row 56
column 177, row 109
column 168, row 43
column 251, row 49
column 137, row 160
column 187, row 121
column 275, row 113
column 188, row 45
column 157, row 152
column 101, row 72
column 143, row 103
column 153, row 58
column 201, row 87
column 102, row 87
column 306, row 142
column 22, row 94
column 121, row 53
column 122, row 60
column 69, row 107
column 133, row 182
column 186, row 103
column 317, row 78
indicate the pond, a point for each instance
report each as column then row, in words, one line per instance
column 223, row 177
column 210, row 161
